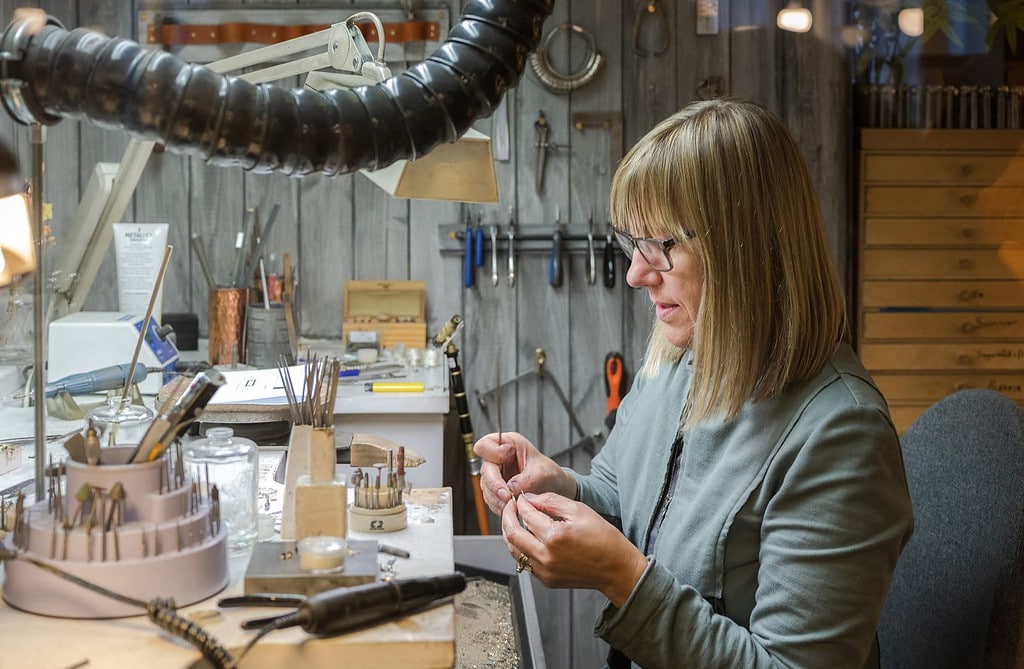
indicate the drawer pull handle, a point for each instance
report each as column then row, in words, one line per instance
column 968, row 200
column 967, row 233
column 968, row 294
column 965, row 263
column 967, row 170
column 968, row 327
column 964, row 359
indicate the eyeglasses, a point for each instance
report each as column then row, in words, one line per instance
column 654, row 251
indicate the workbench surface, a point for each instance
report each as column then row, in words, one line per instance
column 421, row 640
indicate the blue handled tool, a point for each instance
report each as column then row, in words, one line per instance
column 467, row 258
column 97, row 380
column 555, row 266
column 478, row 244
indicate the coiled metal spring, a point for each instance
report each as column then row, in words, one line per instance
column 558, row 82
column 163, row 614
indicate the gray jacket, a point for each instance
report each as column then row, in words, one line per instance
column 782, row 533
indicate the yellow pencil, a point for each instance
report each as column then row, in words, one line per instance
column 395, row 387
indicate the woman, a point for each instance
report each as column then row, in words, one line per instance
column 750, row 504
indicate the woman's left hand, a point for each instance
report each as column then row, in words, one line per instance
column 570, row 546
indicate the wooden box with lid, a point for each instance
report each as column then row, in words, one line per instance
column 395, row 310
column 941, row 264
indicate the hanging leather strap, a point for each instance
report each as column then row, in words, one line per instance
column 175, row 34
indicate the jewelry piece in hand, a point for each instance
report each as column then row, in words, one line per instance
column 523, row 563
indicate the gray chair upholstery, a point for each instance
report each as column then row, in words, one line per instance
column 957, row 597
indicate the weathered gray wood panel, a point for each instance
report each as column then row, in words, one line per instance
column 815, row 101
column 596, row 312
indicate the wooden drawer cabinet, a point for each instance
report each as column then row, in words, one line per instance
column 941, row 264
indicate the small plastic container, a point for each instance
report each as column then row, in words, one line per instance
column 120, row 422
column 322, row 554
column 232, row 464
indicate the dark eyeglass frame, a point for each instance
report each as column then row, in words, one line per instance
column 628, row 242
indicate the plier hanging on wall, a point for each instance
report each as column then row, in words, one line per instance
column 649, row 9
column 542, row 133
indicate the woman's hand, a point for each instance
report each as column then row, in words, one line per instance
column 515, row 466
column 570, row 546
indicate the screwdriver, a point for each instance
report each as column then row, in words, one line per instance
column 468, row 272
column 615, row 385
column 106, row 378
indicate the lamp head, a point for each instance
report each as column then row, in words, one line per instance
column 17, row 255
column 460, row 171
column 10, row 181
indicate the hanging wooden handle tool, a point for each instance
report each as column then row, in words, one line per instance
column 458, row 389
column 288, row 297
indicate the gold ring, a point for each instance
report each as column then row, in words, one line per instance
column 523, row 563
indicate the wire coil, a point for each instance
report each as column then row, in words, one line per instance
column 559, row 82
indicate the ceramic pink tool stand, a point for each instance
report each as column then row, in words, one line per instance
column 167, row 542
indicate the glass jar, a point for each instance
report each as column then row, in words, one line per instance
column 232, row 464
column 120, row 422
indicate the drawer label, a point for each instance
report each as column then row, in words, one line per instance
column 1004, row 353
column 1003, row 387
column 983, row 322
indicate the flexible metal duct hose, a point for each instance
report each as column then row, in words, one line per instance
column 153, row 96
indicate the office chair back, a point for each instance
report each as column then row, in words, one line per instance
column 957, row 597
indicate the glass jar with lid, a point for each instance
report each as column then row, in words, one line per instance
column 120, row 422
column 232, row 464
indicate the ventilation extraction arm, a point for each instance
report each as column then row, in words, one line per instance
column 53, row 73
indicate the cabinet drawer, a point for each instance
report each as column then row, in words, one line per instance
column 962, row 169
column 927, row 232
column 940, row 140
column 988, row 325
column 942, row 201
column 933, row 387
column 943, row 294
column 942, row 357
column 1002, row 263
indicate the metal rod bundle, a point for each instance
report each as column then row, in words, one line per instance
column 314, row 403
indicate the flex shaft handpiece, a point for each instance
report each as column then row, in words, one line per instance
column 344, row 609
column 97, row 380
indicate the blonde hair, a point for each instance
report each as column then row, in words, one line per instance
column 772, row 308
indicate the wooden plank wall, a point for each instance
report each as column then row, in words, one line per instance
column 345, row 228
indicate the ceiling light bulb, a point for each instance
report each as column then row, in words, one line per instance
column 794, row 18
column 911, row 21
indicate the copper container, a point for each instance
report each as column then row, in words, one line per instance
column 227, row 325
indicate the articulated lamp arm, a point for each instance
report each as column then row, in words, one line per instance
column 108, row 194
